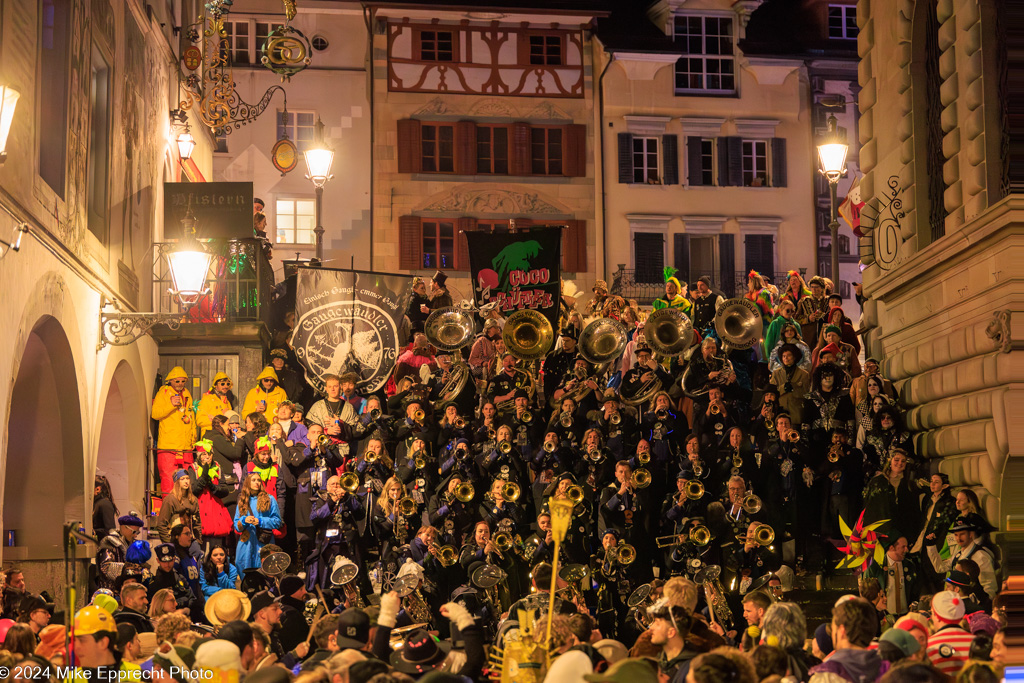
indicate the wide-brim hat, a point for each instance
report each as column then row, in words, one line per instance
column 798, row 355
column 570, row 290
column 227, row 605
column 420, row 653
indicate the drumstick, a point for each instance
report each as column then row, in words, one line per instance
column 321, row 612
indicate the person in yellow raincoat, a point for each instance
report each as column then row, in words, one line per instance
column 265, row 396
column 172, row 408
column 95, row 646
column 217, row 401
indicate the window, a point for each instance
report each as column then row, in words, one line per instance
column 842, row 21
column 492, row 149
column 708, row 66
column 759, row 252
column 438, row 149
column 844, row 244
column 99, row 144
column 546, row 151
column 437, row 46
column 645, row 160
column 263, row 31
column 53, row 93
column 320, row 43
column 545, row 50
column 707, row 161
column 755, row 163
column 648, row 257
column 844, row 289
column 438, row 244
column 298, row 125
column 237, row 36
column 296, row 219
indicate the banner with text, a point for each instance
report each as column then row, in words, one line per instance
column 518, row 270
column 348, row 321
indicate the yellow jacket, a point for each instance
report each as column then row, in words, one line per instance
column 177, row 423
column 210, row 406
column 273, row 398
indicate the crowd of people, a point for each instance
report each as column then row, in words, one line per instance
column 408, row 532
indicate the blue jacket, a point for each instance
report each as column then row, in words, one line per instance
column 226, row 579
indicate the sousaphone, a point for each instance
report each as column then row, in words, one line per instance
column 668, row 332
column 602, row 341
column 449, row 329
column 528, row 334
column 738, row 323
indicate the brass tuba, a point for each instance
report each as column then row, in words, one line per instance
column 449, row 329
column 456, row 382
column 602, row 340
column 738, row 323
column 668, row 331
column 528, row 334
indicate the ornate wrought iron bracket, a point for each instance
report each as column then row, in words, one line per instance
column 118, row 328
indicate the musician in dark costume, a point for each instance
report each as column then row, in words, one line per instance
column 334, row 516
column 641, row 377
column 559, row 363
column 502, row 389
column 705, row 370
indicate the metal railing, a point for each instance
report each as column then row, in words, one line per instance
column 646, row 285
column 240, row 282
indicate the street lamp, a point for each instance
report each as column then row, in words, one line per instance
column 189, row 265
column 319, row 158
column 186, row 143
column 832, row 155
column 8, row 102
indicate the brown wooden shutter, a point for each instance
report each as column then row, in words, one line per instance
column 519, row 152
column 574, row 247
column 465, row 148
column 410, row 146
column 574, row 150
column 464, row 225
column 410, row 243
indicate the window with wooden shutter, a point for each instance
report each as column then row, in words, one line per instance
column 409, row 152
column 695, row 161
column 648, row 257
column 778, row 162
column 546, row 153
column 727, row 263
column 519, row 162
column 437, row 142
column 574, row 247
column 465, row 148
column 492, row 152
column 760, row 253
column 410, row 243
column 462, row 243
column 670, row 161
column 574, row 153
column 626, row 158
column 681, row 256
column 730, row 161
column 438, row 244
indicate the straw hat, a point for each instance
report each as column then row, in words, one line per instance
column 227, row 605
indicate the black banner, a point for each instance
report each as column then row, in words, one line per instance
column 518, row 270
column 222, row 210
column 348, row 321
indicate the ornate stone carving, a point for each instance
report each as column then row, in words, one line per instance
column 546, row 110
column 492, row 200
column 998, row 330
column 435, row 107
column 493, row 107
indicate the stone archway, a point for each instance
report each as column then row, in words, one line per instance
column 120, row 452
column 43, row 483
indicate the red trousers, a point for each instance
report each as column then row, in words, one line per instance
column 169, row 462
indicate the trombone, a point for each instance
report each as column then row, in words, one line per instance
column 700, row 535
column 640, row 479
column 502, row 541
column 350, row 482
column 625, row 554
column 465, row 492
column 445, row 554
column 419, row 416
column 324, row 441
column 505, row 447
column 574, row 494
column 370, row 457
column 694, row 489
column 511, row 492
column 668, row 541
column 407, row 507
column 751, row 504
column 764, row 535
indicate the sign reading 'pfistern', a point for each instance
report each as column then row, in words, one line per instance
column 222, row 210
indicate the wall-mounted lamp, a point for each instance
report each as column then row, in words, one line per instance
column 181, row 134
column 16, row 244
column 8, row 103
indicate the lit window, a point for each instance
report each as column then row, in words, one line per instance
column 296, row 219
column 438, row 244
column 299, row 125
column 708, row 65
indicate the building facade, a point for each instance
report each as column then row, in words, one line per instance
column 940, row 133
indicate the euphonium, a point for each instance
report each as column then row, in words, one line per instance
column 549, row 446
column 510, row 492
column 574, row 494
column 615, row 419
column 625, row 554
column 350, row 482
column 694, row 489
column 700, row 535
column 640, row 479
column 502, row 541
column 464, row 492
column 643, row 457
column 751, row 504
column 419, row 416
column 407, row 507
column 505, row 447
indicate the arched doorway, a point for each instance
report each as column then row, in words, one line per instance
column 43, row 482
column 121, row 456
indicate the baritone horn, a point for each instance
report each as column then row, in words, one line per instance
column 640, row 479
column 350, row 482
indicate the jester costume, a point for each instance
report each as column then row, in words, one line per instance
column 678, row 301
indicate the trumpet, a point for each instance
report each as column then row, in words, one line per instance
column 419, row 461
column 419, row 416
column 595, row 455
column 661, row 413
column 565, row 419
column 751, row 504
column 793, row 436
column 715, row 409
column 407, row 507
column 350, row 482
column 505, row 447
column 643, row 457
column 511, row 492
column 502, row 541
column 549, row 446
column 465, row 492
column 371, row 457
column 491, row 434
column 614, row 419
column 764, row 535
column 640, row 479
column 324, row 441
column 574, row 494
column 835, row 453
column 460, row 423
column 625, row 554
column 445, row 554
column 700, row 535
column 694, row 489
column 698, row 469
column 375, row 414
column 526, row 417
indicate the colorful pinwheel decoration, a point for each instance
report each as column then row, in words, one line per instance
column 862, row 544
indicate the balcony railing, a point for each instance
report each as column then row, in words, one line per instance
column 240, row 282
column 646, row 286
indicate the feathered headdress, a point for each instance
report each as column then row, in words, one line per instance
column 862, row 544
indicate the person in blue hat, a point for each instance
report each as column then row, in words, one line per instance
column 110, row 557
